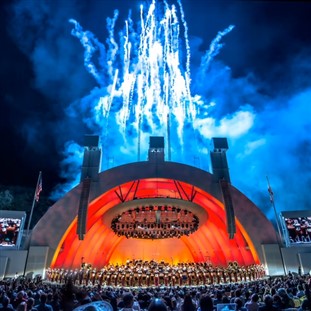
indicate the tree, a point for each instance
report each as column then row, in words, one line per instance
column 6, row 199
column 22, row 200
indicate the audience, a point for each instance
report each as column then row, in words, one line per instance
column 206, row 303
column 6, row 306
column 266, row 294
column 252, row 305
column 43, row 306
column 268, row 304
column 127, row 303
column 239, row 304
column 188, row 304
column 157, row 304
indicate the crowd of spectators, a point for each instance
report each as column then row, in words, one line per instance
column 291, row 292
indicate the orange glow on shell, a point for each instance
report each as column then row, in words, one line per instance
column 101, row 246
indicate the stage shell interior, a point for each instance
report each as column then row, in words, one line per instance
column 167, row 183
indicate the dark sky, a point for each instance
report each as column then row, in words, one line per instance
column 263, row 70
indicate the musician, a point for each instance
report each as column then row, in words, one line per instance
column 93, row 276
column 147, row 272
column 10, row 235
column 174, row 275
column 156, row 276
column 235, row 272
column 243, row 274
column 167, row 275
column 48, row 274
column 212, row 276
column 184, row 276
column 114, row 277
column 135, row 276
column 88, row 275
column 252, row 272
column 161, row 274
column 140, row 275
column 57, row 275
column 127, row 273
column 60, row 275
column 189, row 276
column 225, row 275
column 100, row 277
column 66, row 275
column 75, row 275
column 108, row 275
column 204, row 275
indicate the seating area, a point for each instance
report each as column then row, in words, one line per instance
column 291, row 292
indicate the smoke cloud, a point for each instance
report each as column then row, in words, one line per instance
column 261, row 106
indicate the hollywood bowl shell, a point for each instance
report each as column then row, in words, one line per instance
column 123, row 187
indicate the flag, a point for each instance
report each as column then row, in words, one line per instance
column 271, row 194
column 35, row 198
column 39, row 187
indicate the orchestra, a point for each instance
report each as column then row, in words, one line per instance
column 139, row 273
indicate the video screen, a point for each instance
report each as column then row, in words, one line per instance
column 226, row 306
column 298, row 229
column 9, row 231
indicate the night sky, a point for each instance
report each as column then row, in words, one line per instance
column 263, row 69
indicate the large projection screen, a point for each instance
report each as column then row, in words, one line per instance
column 296, row 227
column 11, row 228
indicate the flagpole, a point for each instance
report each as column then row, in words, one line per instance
column 34, row 201
column 273, row 205
column 279, row 236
